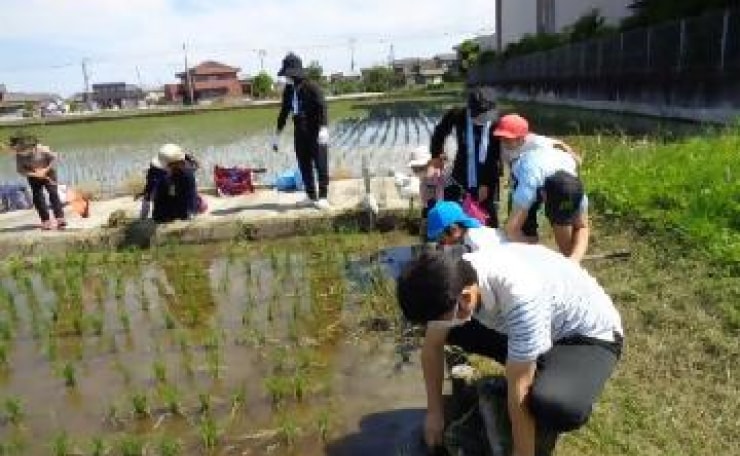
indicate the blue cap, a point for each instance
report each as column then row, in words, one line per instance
column 444, row 214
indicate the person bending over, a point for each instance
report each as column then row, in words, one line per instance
column 543, row 317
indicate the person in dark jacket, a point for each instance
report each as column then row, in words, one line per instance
column 174, row 195
column 478, row 167
column 304, row 99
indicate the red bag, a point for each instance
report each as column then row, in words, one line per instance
column 473, row 209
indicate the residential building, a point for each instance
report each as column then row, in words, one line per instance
column 210, row 80
column 116, row 95
column 529, row 17
column 419, row 71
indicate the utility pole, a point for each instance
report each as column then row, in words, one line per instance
column 86, row 79
column 138, row 77
column 188, row 78
column 262, row 53
column 391, row 55
column 352, row 42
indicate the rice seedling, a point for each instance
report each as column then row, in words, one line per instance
column 322, row 425
column 98, row 447
column 238, row 399
column 13, row 410
column 204, row 403
column 209, row 432
column 169, row 320
column 6, row 331
column 300, row 382
column 78, row 325
column 60, row 444
column 113, row 415
column 69, row 373
column 287, row 429
column 279, row 388
column 140, row 404
column 131, row 445
column 159, row 369
column 96, row 324
column 213, row 361
column 169, row 446
column 125, row 321
column 4, row 355
column 171, row 398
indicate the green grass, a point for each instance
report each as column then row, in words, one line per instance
column 686, row 191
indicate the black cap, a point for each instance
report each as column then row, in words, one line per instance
column 22, row 140
column 563, row 197
column 292, row 66
column 482, row 100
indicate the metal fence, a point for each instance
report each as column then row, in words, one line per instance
column 702, row 47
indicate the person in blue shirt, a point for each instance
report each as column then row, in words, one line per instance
column 547, row 174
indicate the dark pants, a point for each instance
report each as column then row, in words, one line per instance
column 39, row 200
column 310, row 154
column 530, row 226
column 569, row 377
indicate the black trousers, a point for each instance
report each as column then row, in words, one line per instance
column 569, row 377
column 39, row 199
column 310, row 154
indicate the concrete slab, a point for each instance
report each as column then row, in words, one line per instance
column 227, row 218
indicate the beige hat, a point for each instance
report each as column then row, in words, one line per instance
column 168, row 154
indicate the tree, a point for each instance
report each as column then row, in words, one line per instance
column 315, row 71
column 261, row 85
column 647, row 12
column 590, row 25
column 468, row 52
column 378, row 79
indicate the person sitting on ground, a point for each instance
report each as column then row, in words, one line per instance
column 477, row 166
column 175, row 196
column 35, row 161
column 545, row 174
column 447, row 225
column 544, row 318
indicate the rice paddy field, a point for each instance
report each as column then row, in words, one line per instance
column 296, row 347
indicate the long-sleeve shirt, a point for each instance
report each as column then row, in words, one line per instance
column 489, row 171
column 307, row 104
column 32, row 159
column 175, row 196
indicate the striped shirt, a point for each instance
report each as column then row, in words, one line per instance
column 531, row 170
column 536, row 297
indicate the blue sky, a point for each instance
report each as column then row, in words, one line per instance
column 43, row 42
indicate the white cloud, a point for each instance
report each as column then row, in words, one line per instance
column 120, row 35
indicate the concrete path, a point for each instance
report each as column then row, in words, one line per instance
column 20, row 230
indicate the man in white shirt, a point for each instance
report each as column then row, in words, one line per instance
column 545, row 170
column 540, row 315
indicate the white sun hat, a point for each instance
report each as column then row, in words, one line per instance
column 169, row 153
column 420, row 156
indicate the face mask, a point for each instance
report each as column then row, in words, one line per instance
column 289, row 80
column 452, row 323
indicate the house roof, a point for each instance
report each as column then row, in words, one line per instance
column 20, row 97
column 210, row 67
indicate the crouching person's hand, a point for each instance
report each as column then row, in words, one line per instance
column 434, row 426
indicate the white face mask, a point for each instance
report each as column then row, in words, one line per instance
column 289, row 80
column 454, row 321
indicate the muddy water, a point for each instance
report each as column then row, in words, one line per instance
column 291, row 348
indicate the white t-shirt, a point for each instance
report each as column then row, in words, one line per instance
column 483, row 237
column 536, row 297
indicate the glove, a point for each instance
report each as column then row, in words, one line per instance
column 145, row 206
column 275, row 140
column 323, row 138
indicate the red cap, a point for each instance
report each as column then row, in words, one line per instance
column 512, row 126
